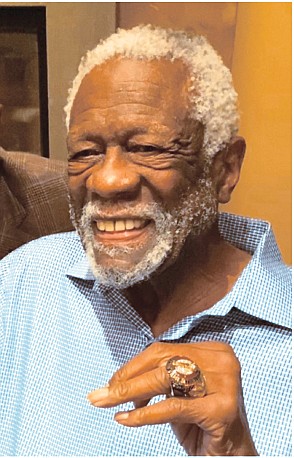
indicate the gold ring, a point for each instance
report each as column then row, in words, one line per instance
column 186, row 379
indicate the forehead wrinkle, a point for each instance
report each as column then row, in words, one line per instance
column 102, row 116
column 139, row 86
column 93, row 134
column 132, row 97
column 118, row 97
column 113, row 105
column 134, row 80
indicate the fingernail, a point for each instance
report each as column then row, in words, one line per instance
column 121, row 416
column 98, row 395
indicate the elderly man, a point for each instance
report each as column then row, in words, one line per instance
column 175, row 320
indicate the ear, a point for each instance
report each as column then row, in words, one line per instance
column 226, row 168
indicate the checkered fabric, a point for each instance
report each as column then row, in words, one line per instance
column 64, row 335
column 33, row 198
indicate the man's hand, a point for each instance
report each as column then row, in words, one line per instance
column 213, row 425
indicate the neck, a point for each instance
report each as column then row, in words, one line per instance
column 203, row 273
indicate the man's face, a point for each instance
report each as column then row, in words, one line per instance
column 138, row 182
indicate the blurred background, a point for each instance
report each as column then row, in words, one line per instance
column 41, row 45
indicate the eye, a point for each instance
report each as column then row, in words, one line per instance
column 142, row 148
column 86, row 153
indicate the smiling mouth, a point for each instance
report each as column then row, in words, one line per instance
column 116, row 229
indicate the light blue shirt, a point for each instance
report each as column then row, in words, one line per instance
column 62, row 335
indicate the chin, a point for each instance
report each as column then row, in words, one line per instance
column 112, row 269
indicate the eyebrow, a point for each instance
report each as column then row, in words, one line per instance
column 94, row 136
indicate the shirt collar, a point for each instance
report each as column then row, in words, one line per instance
column 261, row 289
column 81, row 269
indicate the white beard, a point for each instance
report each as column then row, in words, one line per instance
column 194, row 213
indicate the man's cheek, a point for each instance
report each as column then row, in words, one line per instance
column 78, row 168
column 77, row 199
column 168, row 184
column 77, row 188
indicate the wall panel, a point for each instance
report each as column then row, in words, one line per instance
column 216, row 21
column 262, row 74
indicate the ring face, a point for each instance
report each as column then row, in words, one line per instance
column 185, row 377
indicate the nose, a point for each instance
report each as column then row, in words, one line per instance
column 114, row 177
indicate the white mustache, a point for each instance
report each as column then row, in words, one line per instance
column 94, row 210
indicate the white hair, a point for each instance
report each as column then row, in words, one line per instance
column 212, row 95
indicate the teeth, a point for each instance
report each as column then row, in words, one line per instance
column 109, row 226
column 119, row 225
column 137, row 223
column 129, row 224
column 101, row 225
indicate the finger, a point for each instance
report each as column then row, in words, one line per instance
column 207, row 355
column 142, row 388
column 141, row 403
column 171, row 410
column 150, row 358
column 137, row 389
column 184, row 432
